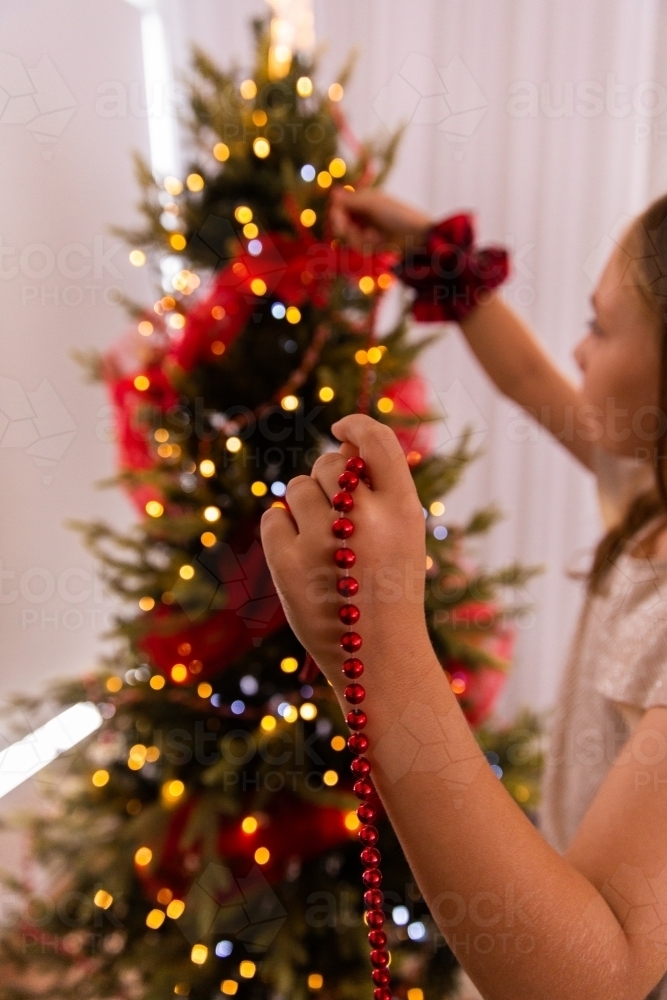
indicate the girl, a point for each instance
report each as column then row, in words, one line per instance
column 577, row 909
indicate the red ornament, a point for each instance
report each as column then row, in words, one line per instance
column 356, row 464
column 381, row 977
column 344, row 558
column 379, row 957
column 351, row 642
column 374, row 898
column 342, row 527
column 357, row 743
column 363, row 789
column 347, row 586
column 370, row 856
column 361, row 767
column 375, row 917
column 343, row 501
column 349, row 614
column 354, row 693
column 348, row 481
column 382, row 993
column 368, row 835
column 353, row 668
column 356, row 719
column 366, row 814
column 377, row 939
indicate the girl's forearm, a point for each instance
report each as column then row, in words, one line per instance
column 520, row 367
column 521, row 920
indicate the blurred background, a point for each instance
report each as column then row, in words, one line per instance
column 549, row 121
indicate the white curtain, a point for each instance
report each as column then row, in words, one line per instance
column 552, row 178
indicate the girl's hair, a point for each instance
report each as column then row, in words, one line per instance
column 645, row 246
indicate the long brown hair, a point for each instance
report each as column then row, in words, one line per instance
column 645, row 244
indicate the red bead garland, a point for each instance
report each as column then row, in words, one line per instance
column 353, row 668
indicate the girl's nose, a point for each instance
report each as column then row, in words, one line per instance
column 579, row 355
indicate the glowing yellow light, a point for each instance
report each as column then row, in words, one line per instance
column 173, row 790
column 100, row 778
column 308, row 217
column 182, row 989
column 164, row 450
column 103, row 899
column 258, row 287
column 268, row 723
column 137, row 257
column 352, row 821
column 385, row 280
column 229, row 987
column 289, row 665
column 248, row 89
column 261, row 147
column 217, row 347
column 308, row 711
column 338, row 743
column 165, row 896
column 414, row 457
column 154, row 508
column 176, row 321
column 218, row 312
column 194, row 182
column 207, row 468
column 221, row 151
column 366, row 284
column 143, row 857
column 146, row 603
column 289, row 402
column 293, row 315
column 177, row 241
column 304, row 86
column 337, row 167
column 138, row 751
column 250, row 230
column 247, row 969
column 176, row 909
column 330, row 778
column 167, row 302
column 233, row 444
column 335, row 92
column 259, row 117
column 262, row 855
column 199, row 954
column 155, row 919
column 152, row 754
column 458, row 685
column 141, row 383
column 186, row 572
column 385, row 405
column 324, row 179
column 179, row 672
column 157, row 682
column 173, row 185
column 374, row 355
column 114, row 684
column 258, row 488
column 243, row 214
column 249, row 824
column 521, row 793
column 437, row 508
column 279, row 503
column 145, row 328
column 204, row 690
column 415, row 994
column 290, row 714
column 429, row 562
column 136, row 763
column 326, row 394
column 161, row 434
column 208, row 539
column 212, row 514
column 361, row 357
column 315, row 981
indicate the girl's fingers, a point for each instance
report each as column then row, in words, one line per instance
column 326, row 471
column 379, row 447
column 309, row 505
column 278, row 533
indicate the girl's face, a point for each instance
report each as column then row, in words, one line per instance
column 620, row 362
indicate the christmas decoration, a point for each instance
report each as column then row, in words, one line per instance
column 205, row 841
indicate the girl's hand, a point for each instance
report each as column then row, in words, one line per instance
column 389, row 543
column 371, row 217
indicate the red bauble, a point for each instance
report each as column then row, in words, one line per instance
column 361, row 767
column 356, row 465
column 368, row 835
column 382, row 993
column 342, row 527
column 347, row 586
column 362, row 789
column 344, row 558
column 343, row 501
column 366, row 814
column 374, row 917
column 379, row 957
column 355, row 694
column 357, row 743
column 372, row 877
column 377, row 939
column 351, row 642
column 373, row 899
column 381, row 977
column 356, row 719
column 349, row 614
column 353, row 667
column 370, row 856
column 348, row 481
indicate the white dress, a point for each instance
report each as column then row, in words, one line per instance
column 616, row 669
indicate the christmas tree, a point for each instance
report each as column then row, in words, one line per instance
column 203, row 841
